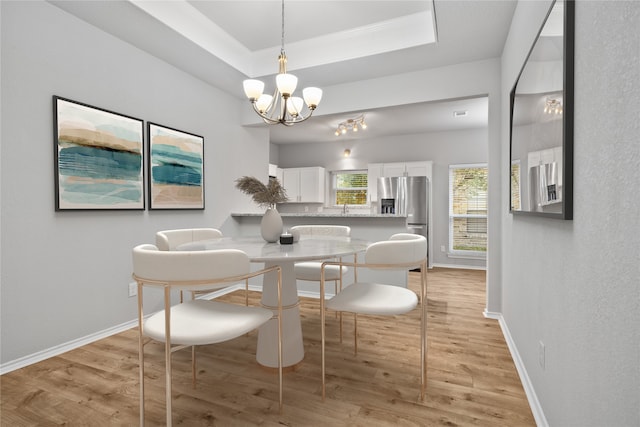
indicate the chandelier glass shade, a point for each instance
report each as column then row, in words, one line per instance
column 282, row 107
column 350, row 125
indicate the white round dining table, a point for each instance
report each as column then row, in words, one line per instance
column 258, row 250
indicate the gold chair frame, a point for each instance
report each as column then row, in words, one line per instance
column 181, row 285
column 422, row 301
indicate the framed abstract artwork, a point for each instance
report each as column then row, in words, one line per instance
column 176, row 169
column 98, row 158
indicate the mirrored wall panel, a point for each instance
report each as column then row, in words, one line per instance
column 541, row 163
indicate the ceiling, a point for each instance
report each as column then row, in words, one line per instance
column 327, row 43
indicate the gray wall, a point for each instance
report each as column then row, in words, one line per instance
column 65, row 274
column 81, row 269
column 480, row 78
column 574, row 285
column 443, row 148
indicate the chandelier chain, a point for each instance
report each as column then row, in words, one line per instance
column 282, row 37
column 282, row 107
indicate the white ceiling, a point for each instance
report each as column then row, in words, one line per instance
column 224, row 42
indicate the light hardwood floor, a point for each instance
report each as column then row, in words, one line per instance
column 471, row 378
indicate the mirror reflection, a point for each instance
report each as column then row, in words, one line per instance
column 538, row 124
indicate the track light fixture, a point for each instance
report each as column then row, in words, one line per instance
column 350, row 125
column 553, row 106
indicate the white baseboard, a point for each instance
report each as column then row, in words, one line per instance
column 64, row 347
column 79, row 342
column 461, row 266
column 492, row 315
column 534, row 403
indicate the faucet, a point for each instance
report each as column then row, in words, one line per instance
column 345, row 209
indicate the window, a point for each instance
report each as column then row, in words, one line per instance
column 515, row 185
column 350, row 187
column 468, row 209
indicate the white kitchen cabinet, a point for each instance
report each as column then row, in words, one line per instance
column 407, row 169
column 393, row 169
column 304, row 185
column 373, row 173
column 377, row 170
column 418, row 169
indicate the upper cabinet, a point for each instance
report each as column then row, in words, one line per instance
column 374, row 172
column 377, row 170
column 419, row 169
column 304, row 185
column 393, row 169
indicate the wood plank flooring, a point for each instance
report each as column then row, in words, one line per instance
column 472, row 380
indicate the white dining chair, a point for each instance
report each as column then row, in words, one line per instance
column 403, row 251
column 170, row 240
column 310, row 270
column 197, row 322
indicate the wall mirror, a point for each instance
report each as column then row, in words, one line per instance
column 541, row 159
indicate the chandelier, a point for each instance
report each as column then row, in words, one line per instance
column 553, row 106
column 351, row 125
column 282, row 107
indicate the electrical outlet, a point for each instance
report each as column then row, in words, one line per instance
column 541, row 354
column 443, row 249
column 133, row 289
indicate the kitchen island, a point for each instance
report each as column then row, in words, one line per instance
column 364, row 225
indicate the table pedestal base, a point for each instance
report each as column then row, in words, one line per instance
column 292, row 344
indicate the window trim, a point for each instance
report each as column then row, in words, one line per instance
column 334, row 179
column 457, row 252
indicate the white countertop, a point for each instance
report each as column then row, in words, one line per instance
column 322, row 215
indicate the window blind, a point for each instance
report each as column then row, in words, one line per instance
column 468, row 206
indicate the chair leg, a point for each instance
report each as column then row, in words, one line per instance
column 322, row 331
column 167, row 351
column 279, row 339
column 340, row 313
column 246, row 296
column 141, row 354
column 355, row 334
column 423, row 330
column 335, row 291
column 193, row 366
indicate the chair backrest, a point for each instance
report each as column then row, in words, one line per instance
column 322, row 230
column 401, row 248
column 168, row 240
column 152, row 264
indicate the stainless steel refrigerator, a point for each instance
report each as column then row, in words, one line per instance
column 407, row 196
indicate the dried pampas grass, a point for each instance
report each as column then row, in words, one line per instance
column 264, row 195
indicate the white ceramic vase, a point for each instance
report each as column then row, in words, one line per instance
column 271, row 225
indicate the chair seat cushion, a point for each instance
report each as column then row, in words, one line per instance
column 374, row 298
column 310, row 270
column 200, row 322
